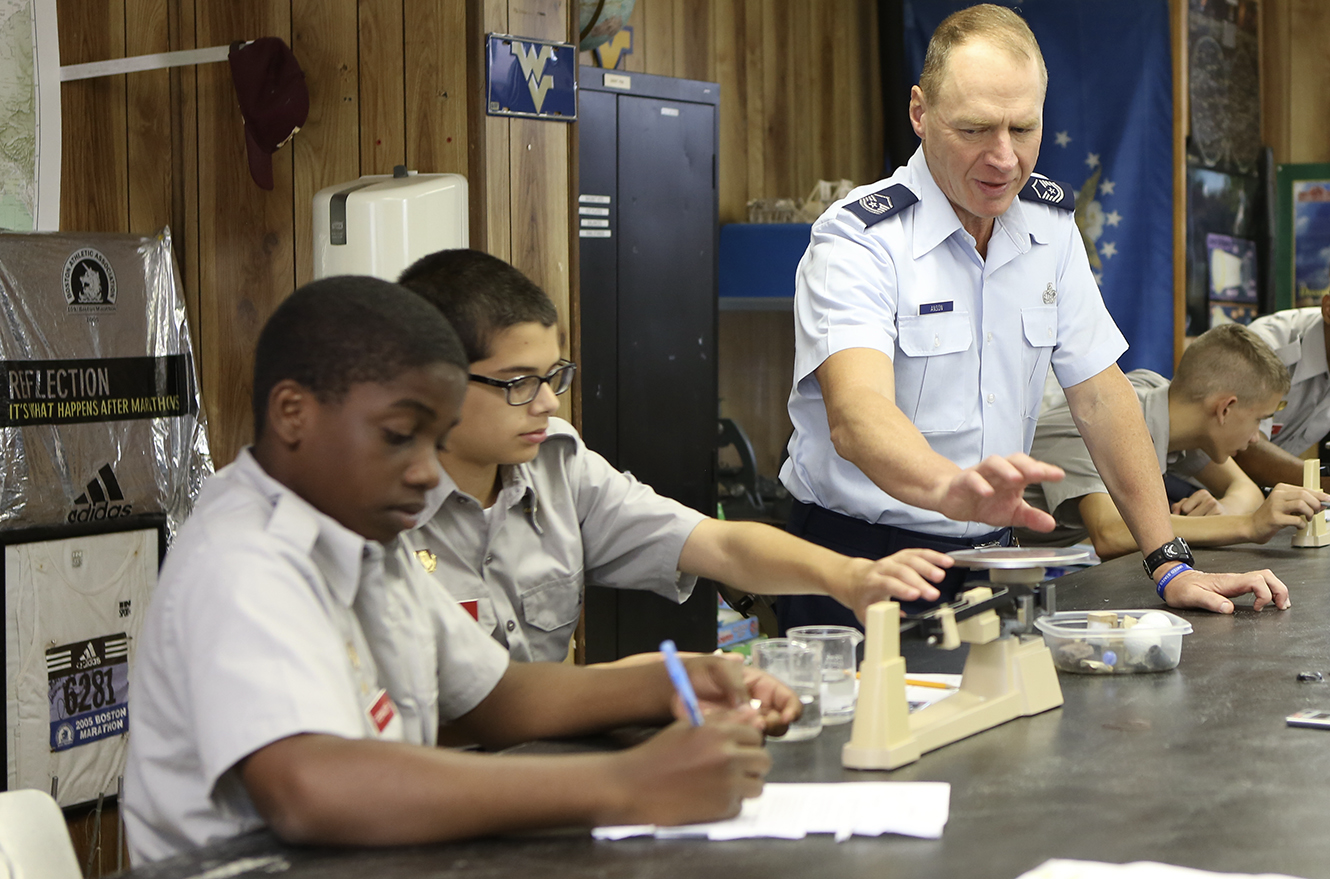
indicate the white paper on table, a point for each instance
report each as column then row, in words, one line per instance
column 1066, row 869
column 922, row 697
column 845, row 809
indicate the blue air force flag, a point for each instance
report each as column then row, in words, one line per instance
column 1108, row 131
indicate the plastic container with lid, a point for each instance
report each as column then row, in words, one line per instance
column 1082, row 642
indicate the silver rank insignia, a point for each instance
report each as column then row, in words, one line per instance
column 1050, row 295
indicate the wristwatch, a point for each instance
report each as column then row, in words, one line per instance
column 1176, row 550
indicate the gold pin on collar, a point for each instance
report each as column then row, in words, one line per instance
column 428, row 560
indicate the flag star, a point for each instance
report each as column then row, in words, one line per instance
column 1106, row 188
column 1099, row 278
column 1109, row 249
column 1063, row 138
column 1092, row 160
column 1112, row 218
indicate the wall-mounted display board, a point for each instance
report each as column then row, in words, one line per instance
column 1302, row 236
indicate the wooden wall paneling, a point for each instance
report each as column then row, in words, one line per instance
column 327, row 149
column 1274, row 52
column 435, row 48
column 498, row 189
column 869, row 48
column 1309, row 81
column 148, row 127
column 382, row 85
column 751, row 61
column 852, row 71
column 247, row 262
column 659, row 22
column 693, row 49
column 94, row 196
column 730, row 70
column 803, row 105
column 826, row 96
column 777, row 102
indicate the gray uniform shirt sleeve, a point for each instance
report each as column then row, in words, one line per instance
column 631, row 536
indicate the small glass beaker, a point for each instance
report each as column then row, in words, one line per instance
column 797, row 664
column 839, row 664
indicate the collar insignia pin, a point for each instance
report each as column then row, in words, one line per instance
column 428, row 560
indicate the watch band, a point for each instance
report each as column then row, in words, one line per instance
column 1176, row 550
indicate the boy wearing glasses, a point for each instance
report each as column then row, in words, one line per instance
column 528, row 514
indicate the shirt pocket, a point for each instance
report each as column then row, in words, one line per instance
column 1040, row 326
column 554, row 604
column 934, row 376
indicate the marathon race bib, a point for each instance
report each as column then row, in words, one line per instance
column 88, row 688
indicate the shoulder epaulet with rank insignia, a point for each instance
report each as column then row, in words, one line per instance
column 1049, row 192
column 877, row 206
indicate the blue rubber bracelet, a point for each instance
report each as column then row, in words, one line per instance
column 1169, row 575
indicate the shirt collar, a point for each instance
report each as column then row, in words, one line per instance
column 340, row 553
column 515, row 485
column 1313, row 360
column 935, row 219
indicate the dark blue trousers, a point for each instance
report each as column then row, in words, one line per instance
column 855, row 537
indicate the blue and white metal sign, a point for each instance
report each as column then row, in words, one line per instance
column 531, row 78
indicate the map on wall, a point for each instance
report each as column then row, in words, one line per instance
column 29, row 116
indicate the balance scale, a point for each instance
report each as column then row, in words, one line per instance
column 1007, row 674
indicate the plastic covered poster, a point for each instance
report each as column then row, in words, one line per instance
column 100, row 415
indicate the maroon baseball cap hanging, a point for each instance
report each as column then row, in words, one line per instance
column 274, row 100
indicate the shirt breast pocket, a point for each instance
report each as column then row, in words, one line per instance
column 554, row 604
column 935, row 346
column 1040, row 325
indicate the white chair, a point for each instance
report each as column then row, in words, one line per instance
column 34, row 840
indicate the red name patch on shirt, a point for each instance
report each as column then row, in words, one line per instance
column 1275, row 429
column 472, row 607
column 382, row 711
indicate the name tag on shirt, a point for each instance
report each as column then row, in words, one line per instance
column 935, row 307
column 382, row 713
column 472, row 606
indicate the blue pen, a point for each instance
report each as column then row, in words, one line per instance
column 679, row 678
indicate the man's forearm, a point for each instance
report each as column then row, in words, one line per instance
column 876, row 437
column 1268, row 465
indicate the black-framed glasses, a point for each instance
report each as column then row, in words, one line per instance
column 522, row 390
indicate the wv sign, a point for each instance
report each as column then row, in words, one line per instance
column 532, row 78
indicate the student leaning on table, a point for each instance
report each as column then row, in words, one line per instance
column 527, row 514
column 1298, row 337
column 1227, row 382
column 295, row 666
column 928, row 308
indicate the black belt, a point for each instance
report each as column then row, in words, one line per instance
column 815, row 521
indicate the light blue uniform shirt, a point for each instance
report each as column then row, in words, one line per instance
column 970, row 339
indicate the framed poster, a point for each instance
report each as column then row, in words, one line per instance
column 1302, row 235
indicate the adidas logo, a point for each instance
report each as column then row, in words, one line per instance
column 101, row 500
column 89, row 658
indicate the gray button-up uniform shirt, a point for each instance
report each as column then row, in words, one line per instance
column 1058, row 442
column 272, row 619
column 1298, row 337
column 562, row 520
